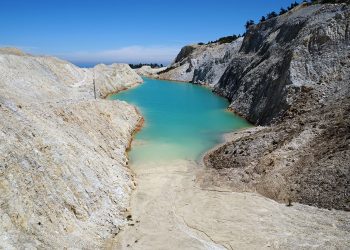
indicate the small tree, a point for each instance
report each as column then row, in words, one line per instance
column 262, row 19
column 248, row 24
column 283, row 11
column 271, row 15
column 295, row 4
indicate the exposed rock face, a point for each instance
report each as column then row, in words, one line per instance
column 291, row 72
column 63, row 175
column 55, row 79
column 202, row 64
column 106, row 78
column 295, row 68
column 305, row 47
column 148, row 71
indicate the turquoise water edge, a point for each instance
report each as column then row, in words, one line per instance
column 182, row 120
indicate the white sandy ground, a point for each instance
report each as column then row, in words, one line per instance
column 171, row 211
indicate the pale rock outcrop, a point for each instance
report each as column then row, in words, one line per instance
column 290, row 73
column 202, row 64
column 306, row 48
column 106, row 77
column 24, row 73
column 148, row 71
column 63, row 176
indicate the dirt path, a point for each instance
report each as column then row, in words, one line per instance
column 170, row 211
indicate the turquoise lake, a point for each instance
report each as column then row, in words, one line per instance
column 182, row 120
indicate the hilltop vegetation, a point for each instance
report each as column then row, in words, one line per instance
column 270, row 15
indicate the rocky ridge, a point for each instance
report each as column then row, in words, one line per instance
column 201, row 64
column 63, row 175
column 290, row 74
column 148, row 71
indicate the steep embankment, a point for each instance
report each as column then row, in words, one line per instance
column 148, row 71
column 202, row 64
column 63, row 175
column 303, row 50
column 114, row 78
column 292, row 73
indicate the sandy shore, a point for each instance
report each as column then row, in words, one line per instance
column 170, row 210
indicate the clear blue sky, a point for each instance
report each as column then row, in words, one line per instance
column 86, row 31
